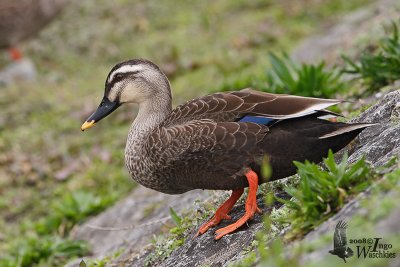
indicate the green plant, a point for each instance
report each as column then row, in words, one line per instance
column 52, row 250
column 323, row 192
column 285, row 76
column 175, row 217
column 102, row 262
column 271, row 249
column 71, row 209
column 267, row 251
column 378, row 67
column 165, row 245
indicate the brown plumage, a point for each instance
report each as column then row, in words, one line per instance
column 215, row 141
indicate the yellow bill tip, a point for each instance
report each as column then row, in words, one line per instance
column 87, row 125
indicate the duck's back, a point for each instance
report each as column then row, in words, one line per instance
column 210, row 142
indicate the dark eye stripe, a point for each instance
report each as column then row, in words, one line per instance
column 117, row 78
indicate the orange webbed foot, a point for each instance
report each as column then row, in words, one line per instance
column 221, row 213
column 215, row 220
column 251, row 207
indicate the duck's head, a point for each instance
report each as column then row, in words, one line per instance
column 132, row 81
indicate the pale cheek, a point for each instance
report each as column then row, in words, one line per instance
column 112, row 95
column 130, row 94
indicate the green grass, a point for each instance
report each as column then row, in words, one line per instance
column 305, row 211
column 287, row 77
column 164, row 245
column 73, row 208
column 49, row 183
column 221, row 40
column 322, row 193
column 47, row 250
column 379, row 205
column 103, row 262
column 378, row 66
column 284, row 76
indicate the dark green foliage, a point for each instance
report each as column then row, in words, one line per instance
column 243, row 82
column 71, row 209
column 175, row 217
column 322, row 192
column 275, row 253
column 378, row 67
column 287, row 77
column 52, row 250
column 46, row 246
column 165, row 245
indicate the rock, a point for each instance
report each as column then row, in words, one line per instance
column 343, row 37
column 131, row 223
column 384, row 227
column 378, row 144
column 205, row 251
column 381, row 142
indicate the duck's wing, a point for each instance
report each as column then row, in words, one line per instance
column 234, row 106
column 207, row 150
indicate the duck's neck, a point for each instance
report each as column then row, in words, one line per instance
column 151, row 113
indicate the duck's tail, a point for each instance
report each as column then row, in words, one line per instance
column 347, row 128
column 307, row 138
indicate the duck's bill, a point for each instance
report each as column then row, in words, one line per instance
column 87, row 125
column 105, row 108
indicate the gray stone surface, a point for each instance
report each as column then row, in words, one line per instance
column 384, row 228
column 131, row 223
column 205, row 251
column 356, row 27
column 380, row 142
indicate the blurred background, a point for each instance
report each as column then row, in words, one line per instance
column 53, row 177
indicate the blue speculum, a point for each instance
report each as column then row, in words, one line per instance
column 257, row 119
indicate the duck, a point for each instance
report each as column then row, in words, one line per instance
column 217, row 141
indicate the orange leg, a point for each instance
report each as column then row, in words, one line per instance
column 222, row 212
column 251, row 207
